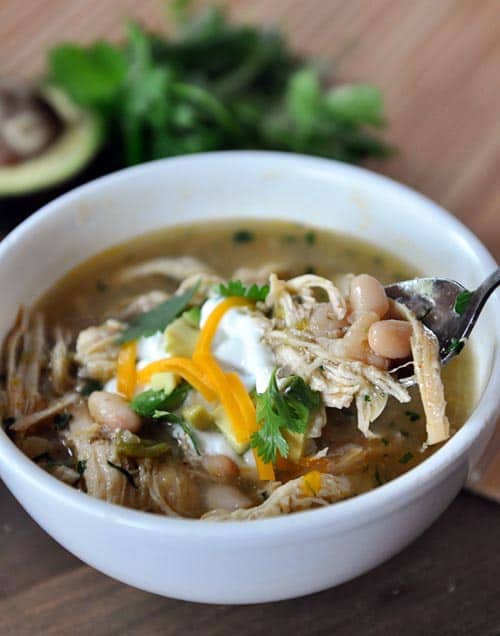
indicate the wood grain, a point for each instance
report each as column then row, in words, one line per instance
column 437, row 63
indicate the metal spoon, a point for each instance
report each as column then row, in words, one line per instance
column 445, row 307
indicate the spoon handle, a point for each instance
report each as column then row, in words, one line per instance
column 478, row 300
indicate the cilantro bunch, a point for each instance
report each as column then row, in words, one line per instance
column 215, row 85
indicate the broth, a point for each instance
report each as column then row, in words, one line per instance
column 88, row 295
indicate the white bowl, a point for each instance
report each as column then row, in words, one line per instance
column 272, row 559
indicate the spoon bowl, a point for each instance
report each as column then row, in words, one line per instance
column 445, row 307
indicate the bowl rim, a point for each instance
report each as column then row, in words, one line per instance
column 344, row 514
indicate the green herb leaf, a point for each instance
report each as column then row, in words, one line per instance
column 455, row 346
column 89, row 386
column 158, row 318
column 193, row 316
column 91, row 76
column 310, row 238
column 462, row 301
column 81, row 466
column 280, row 410
column 148, row 402
column 186, row 426
column 236, row 288
column 124, row 472
column 188, row 429
column 243, row 236
column 407, row 457
column 215, row 85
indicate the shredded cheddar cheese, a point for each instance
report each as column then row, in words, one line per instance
column 311, row 483
column 206, row 376
column 208, row 332
column 126, row 370
column 265, row 471
column 184, row 367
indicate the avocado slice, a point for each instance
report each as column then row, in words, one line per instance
column 76, row 142
column 224, row 425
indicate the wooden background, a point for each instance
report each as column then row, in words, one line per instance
column 438, row 64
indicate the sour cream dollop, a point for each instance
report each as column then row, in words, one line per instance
column 238, row 345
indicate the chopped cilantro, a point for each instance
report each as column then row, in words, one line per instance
column 236, row 288
column 81, row 465
column 412, row 416
column 455, row 346
column 124, row 472
column 367, row 398
column 280, row 410
column 90, row 386
column 407, row 457
column 461, row 301
column 310, row 238
column 243, row 236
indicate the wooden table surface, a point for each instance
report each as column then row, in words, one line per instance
column 438, row 64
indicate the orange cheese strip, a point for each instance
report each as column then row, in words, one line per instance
column 184, row 367
column 311, row 483
column 218, row 381
column 265, row 471
column 208, row 332
column 125, row 370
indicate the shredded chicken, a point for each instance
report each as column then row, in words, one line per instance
column 425, row 353
column 158, row 486
column 175, row 268
column 132, row 307
column 289, row 497
column 97, row 350
column 315, row 340
column 25, row 359
column 203, row 282
column 60, row 362
column 23, row 424
column 260, row 275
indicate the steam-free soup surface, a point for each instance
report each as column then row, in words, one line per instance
column 90, row 294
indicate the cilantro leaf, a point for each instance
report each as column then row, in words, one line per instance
column 91, row 76
column 455, row 346
column 215, row 85
column 237, row 288
column 158, row 318
column 461, row 301
column 147, row 403
column 277, row 411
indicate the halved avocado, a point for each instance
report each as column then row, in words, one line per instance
column 79, row 138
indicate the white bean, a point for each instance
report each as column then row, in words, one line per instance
column 223, row 497
column 112, row 412
column 367, row 294
column 221, row 467
column 390, row 338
